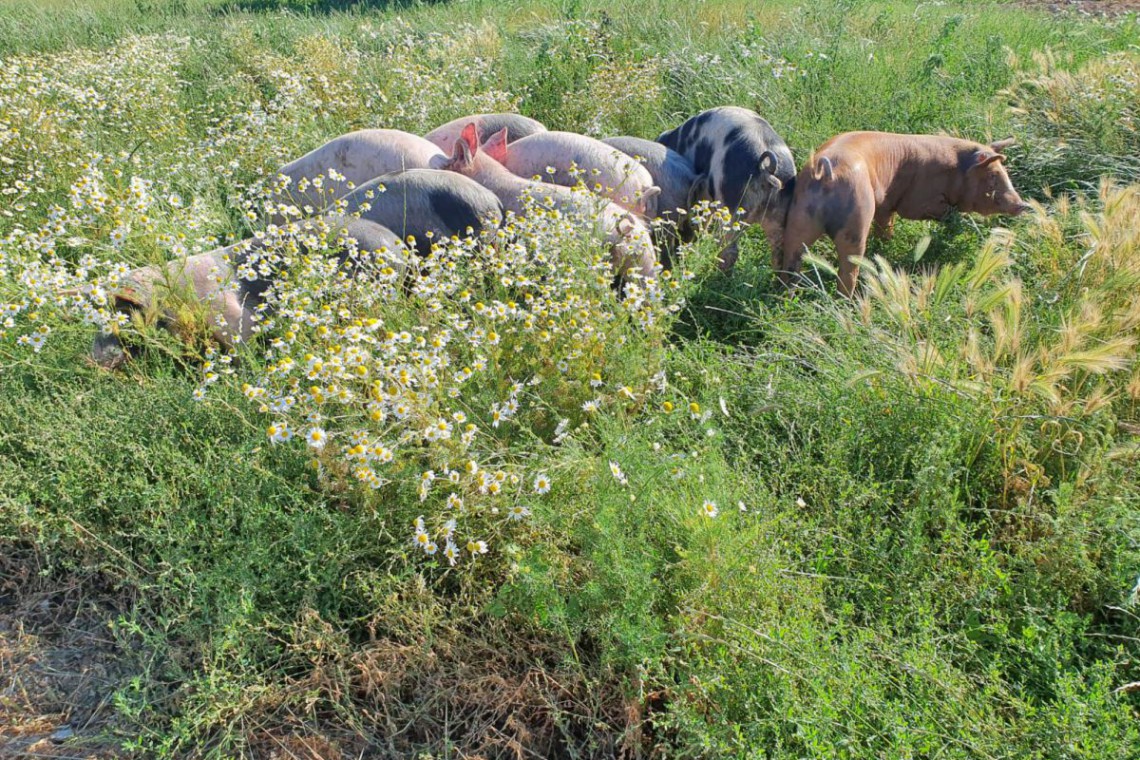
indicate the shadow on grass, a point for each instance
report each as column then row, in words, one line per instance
column 734, row 309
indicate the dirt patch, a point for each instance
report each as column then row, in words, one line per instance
column 1086, row 7
column 59, row 664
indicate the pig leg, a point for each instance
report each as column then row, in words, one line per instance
column 851, row 236
column 884, row 224
column 729, row 255
column 850, row 242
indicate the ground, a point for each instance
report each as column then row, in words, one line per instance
column 59, row 663
column 774, row 524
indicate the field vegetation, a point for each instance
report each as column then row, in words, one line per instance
column 506, row 512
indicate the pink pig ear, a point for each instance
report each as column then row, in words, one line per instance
column 470, row 136
column 496, row 145
column 985, row 158
column 462, row 153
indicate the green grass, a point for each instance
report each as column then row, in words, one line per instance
column 935, row 557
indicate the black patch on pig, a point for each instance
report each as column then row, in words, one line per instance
column 453, row 211
column 967, row 159
column 837, row 209
column 740, row 170
column 702, row 157
column 790, row 187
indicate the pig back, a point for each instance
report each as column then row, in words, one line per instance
column 422, row 201
column 726, row 146
column 603, row 168
column 358, row 156
column 517, row 126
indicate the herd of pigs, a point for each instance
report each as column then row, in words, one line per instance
column 398, row 191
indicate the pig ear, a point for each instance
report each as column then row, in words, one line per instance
column 496, row 145
column 985, row 158
column 625, row 225
column 768, row 161
column 1001, row 145
column 470, row 136
column 460, row 157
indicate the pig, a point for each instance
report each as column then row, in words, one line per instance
column 517, row 127
column 859, row 180
column 358, row 156
column 674, row 174
column 422, row 204
column 604, row 170
column 215, row 279
column 741, row 163
column 628, row 238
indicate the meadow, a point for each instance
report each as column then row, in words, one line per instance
column 509, row 513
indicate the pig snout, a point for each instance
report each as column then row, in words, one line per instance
column 1010, row 204
column 108, row 351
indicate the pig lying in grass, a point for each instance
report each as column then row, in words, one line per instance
column 628, row 238
column 425, row 204
column 517, row 127
column 741, row 163
column 227, row 286
column 858, row 180
column 604, row 170
column 357, row 157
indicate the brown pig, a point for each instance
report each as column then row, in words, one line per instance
column 859, row 179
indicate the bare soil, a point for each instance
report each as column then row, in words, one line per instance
column 59, row 664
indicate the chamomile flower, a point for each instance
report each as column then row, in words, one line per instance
column 709, row 508
column 317, row 438
column 451, row 551
column 542, row 483
column 279, row 432
column 619, row 476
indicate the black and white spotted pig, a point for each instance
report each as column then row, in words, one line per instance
column 742, row 163
column 228, row 285
column 674, row 174
column 426, row 204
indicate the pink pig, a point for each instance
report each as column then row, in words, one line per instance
column 358, row 156
column 628, row 238
column 603, row 169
